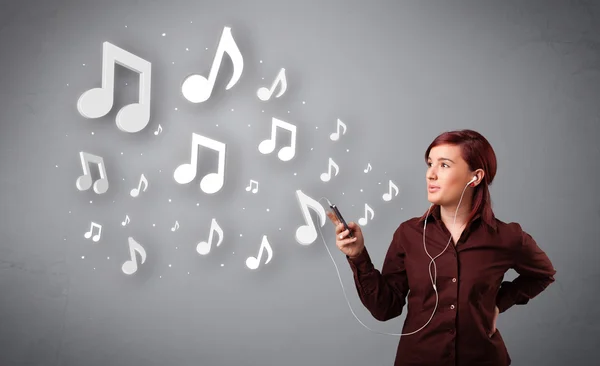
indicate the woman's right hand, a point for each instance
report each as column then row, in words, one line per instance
column 352, row 247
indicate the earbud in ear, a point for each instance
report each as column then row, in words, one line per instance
column 472, row 180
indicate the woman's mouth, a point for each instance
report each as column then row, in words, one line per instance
column 432, row 189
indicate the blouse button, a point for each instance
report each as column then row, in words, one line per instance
column 454, row 279
column 451, row 306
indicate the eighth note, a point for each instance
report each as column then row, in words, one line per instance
column 203, row 247
column 388, row 195
column 131, row 266
column 255, row 189
column 197, row 88
column 363, row 220
column 336, row 135
column 136, row 191
column 176, row 226
column 159, row 130
column 96, row 237
column 369, row 167
column 127, row 221
column 84, row 182
column 264, row 94
column 306, row 234
column 254, row 262
column 325, row 177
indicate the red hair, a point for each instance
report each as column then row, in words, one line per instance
column 478, row 153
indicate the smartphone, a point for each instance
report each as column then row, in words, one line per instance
column 339, row 216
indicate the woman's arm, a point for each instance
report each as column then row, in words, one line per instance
column 383, row 294
column 535, row 270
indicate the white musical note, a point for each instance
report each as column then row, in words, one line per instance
column 368, row 169
column 136, row 191
column 254, row 262
column 203, row 247
column 363, row 220
column 96, row 237
column 336, row 135
column 84, row 182
column 265, row 94
column 255, row 189
column 176, row 226
column 186, row 172
column 388, row 195
column 131, row 266
column 306, row 234
column 127, row 220
column 197, row 88
column 325, row 177
column 159, row 130
column 267, row 146
column 97, row 102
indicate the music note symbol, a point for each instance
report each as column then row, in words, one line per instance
column 84, row 182
column 176, row 226
column 255, row 189
column 203, row 247
column 368, row 169
column 186, row 172
column 254, row 262
column 97, row 102
column 264, row 94
column 136, row 191
column 159, row 130
column 336, row 135
column 96, row 237
column 388, row 195
column 306, row 234
column 267, row 146
column 197, row 88
column 127, row 221
column 325, row 177
column 363, row 220
column 131, row 266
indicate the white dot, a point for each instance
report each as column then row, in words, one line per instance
column 173, row 62
column 232, row 109
column 295, row 173
column 240, row 235
column 303, row 102
column 92, row 132
column 176, row 247
column 153, row 224
column 248, row 124
column 160, row 170
column 169, row 265
column 279, row 229
column 126, row 84
column 206, row 48
column 164, row 34
column 67, row 84
column 263, row 111
column 222, row 265
column 125, row 26
column 107, row 257
column 347, row 150
column 263, row 78
column 83, row 257
column 65, row 239
column 159, row 276
column 57, row 166
column 94, row 268
column 69, row 211
column 187, row 49
column 90, row 201
column 83, row 64
column 267, row 210
column 121, row 153
column 123, row 178
column 190, row 23
column 169, row 200
column 288, row 111
column 197, row 204
column 311, row 149
column 317, row 127
column 217, row 125
column 141, row 154
column 260, row 61
column 188, row 272
column 175, row 108
column 243, row 208
column 361, row 190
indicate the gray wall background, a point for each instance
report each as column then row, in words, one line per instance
column 526, row 74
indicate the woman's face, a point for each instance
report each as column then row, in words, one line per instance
column 447, row 175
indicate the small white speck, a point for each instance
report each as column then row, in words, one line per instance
column 217, row 125
column 240, row 235
column 232, row 109
column 153, row 224
column 187, row 49
column 279, row 229
column 164, row 34
column 263, row 78
column 160, row 170
column 169, row 200
column 243, row 208
column 317, row 127
column 159, row 276
column 173, row 62
column 83, row 64
column 222, row 265
column 94, row 268
column 176, row 247
column 126, row 84
column 107, row 257
column 169, row 265
column 65, row 239
column 379, row 183
column 303, row 102
column 197, row 204
column 141, row 153
column 206, row 48
column 90, row 201
column 125, row 26
column 188, row 272
column 83, row 257
column 401, row 208
column 361, row 190
column 260, row 61
column 311, row 149
column 67, row 135
column 342, row 193
column 67, row 84
column 263, row 111
column 121, row 153
column 175, row 108
column 123, row 178
column 295, row 173
column 248, row 124
column 347, row 150
column 92, row 132
column 57, row 166
column 267, row 210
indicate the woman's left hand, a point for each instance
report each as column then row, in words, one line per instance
column 496, row 312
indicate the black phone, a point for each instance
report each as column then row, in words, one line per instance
column 339, row 216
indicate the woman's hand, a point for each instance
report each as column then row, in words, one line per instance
column 496, row 312
column 352, row 247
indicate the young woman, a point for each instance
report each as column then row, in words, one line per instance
column 453, row 260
